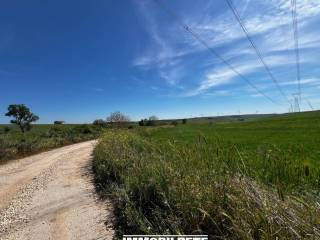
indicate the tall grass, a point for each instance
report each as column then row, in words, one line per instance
column 205, row 186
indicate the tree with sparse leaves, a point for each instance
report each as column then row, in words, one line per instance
column 152, row 121
column 22, row 115
column 117, row 119
column 153, row 118
column 99, row 122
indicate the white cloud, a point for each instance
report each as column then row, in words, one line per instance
column 218, row 93
column 172, row 75
column 98, row 89
column 307, row 81
column 275, row 23
column 222, row 29
column 219, row 77
column 225, row 75
column 256, row 95
column 159, row 49
column 268, row 22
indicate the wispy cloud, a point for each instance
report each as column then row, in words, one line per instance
column 160, row 49
column 224, row 75
column 98, row 89
column 307, row 81
column 271, row 29
column 172, row 75
column 218, row 93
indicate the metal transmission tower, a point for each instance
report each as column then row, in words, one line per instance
column 310, row 105
column 291, row 108
column 296, row 48
column 256, row 49
column 296, row 97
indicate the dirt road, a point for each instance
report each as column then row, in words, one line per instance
column 51, row 196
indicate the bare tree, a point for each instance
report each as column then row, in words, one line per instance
column 117, row 119
column 153, row 118
column 151, row 121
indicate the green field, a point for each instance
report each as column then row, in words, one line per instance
column 14, row 144
column 273, row 149
column 255, row 179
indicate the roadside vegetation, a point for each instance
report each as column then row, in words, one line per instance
column 22, row 138
column 15, row 144
column 256, row 179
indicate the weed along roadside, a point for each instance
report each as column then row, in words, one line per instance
column 169, row 181
column 14, row 144
column 160, row 120
column 22, row 138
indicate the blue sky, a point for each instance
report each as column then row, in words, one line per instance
column 80, row 60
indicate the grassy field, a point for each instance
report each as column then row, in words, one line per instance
column 256, row 179
column 14, row 144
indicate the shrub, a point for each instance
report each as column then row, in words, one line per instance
column 6, row 129
column 184, row 121
column 142, row 122
column 99, row 122
column 3, row 152
column 85, row 129
column 56, row 132
column 174, row 123
column 150, row 123
column 16, row 144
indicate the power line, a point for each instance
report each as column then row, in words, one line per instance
column 196, row 36
column 310, row 105
column 296, row 42
column 238, row 18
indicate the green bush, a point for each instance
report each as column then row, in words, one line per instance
column 56, row 131
column 6, row 129
column 142, row 122
column 3, row 148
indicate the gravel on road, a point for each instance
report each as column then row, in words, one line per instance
column 52, row 196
